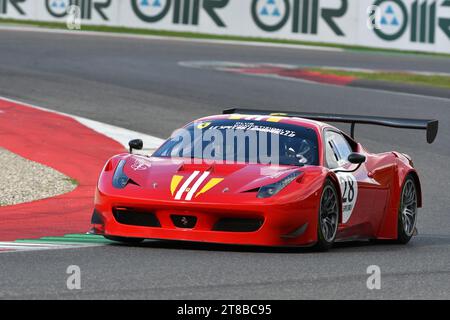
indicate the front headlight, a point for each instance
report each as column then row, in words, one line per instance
column 120, row 179
column 272, row 189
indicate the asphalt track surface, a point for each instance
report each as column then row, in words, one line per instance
column 139, row 85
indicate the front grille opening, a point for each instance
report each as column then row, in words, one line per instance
column 238, row 225
column 135, row 217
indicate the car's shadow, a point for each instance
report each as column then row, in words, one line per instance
column 421, row 241
column 200, row 246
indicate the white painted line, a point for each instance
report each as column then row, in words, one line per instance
column 121, row 135
column 8, row 247
column 26, row 244
column 166, row 38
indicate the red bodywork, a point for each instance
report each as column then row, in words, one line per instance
column 289, row 218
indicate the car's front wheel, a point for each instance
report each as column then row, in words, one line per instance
column 125, row 240
column 328, row 217
column 407, row 214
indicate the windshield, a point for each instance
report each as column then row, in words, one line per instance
column 245, row 141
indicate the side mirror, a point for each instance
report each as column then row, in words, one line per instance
column 356, row 158
column 136, row 144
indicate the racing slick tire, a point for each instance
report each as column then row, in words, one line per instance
column 407, row 212
column 328, row 217
column 125, row 240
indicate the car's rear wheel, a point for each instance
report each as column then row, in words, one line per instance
column 125, row 240
column 407, row 214
column 328, row 217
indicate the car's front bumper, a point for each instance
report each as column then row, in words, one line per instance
column 288, row 224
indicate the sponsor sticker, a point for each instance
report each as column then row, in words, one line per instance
column 203, row 125
column 140, row 165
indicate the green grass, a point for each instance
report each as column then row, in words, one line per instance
column 69, row 239
column 193, row 35
column 440, row 81
column 72, row 181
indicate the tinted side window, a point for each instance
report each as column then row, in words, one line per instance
column 337, row 149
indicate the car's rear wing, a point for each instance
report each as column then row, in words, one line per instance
column 431, row 126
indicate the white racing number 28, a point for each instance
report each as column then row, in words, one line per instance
column 349, row 190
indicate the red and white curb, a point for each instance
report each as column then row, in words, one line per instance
column 75, row 146
column 271, row 70
column 121, row 135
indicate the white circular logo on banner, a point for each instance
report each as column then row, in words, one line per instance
column 271, row 12
column 59, row 7
column 152, row 7
column 390, row 19
column 349, row 191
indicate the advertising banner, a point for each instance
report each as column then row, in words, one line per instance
column 419, row 25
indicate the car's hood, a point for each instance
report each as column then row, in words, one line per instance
column 186, row 179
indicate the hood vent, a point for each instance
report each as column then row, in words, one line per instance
column 196, row 167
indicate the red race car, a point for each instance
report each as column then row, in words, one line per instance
column 253, row 177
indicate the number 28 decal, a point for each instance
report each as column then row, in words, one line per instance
column 349, row 190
